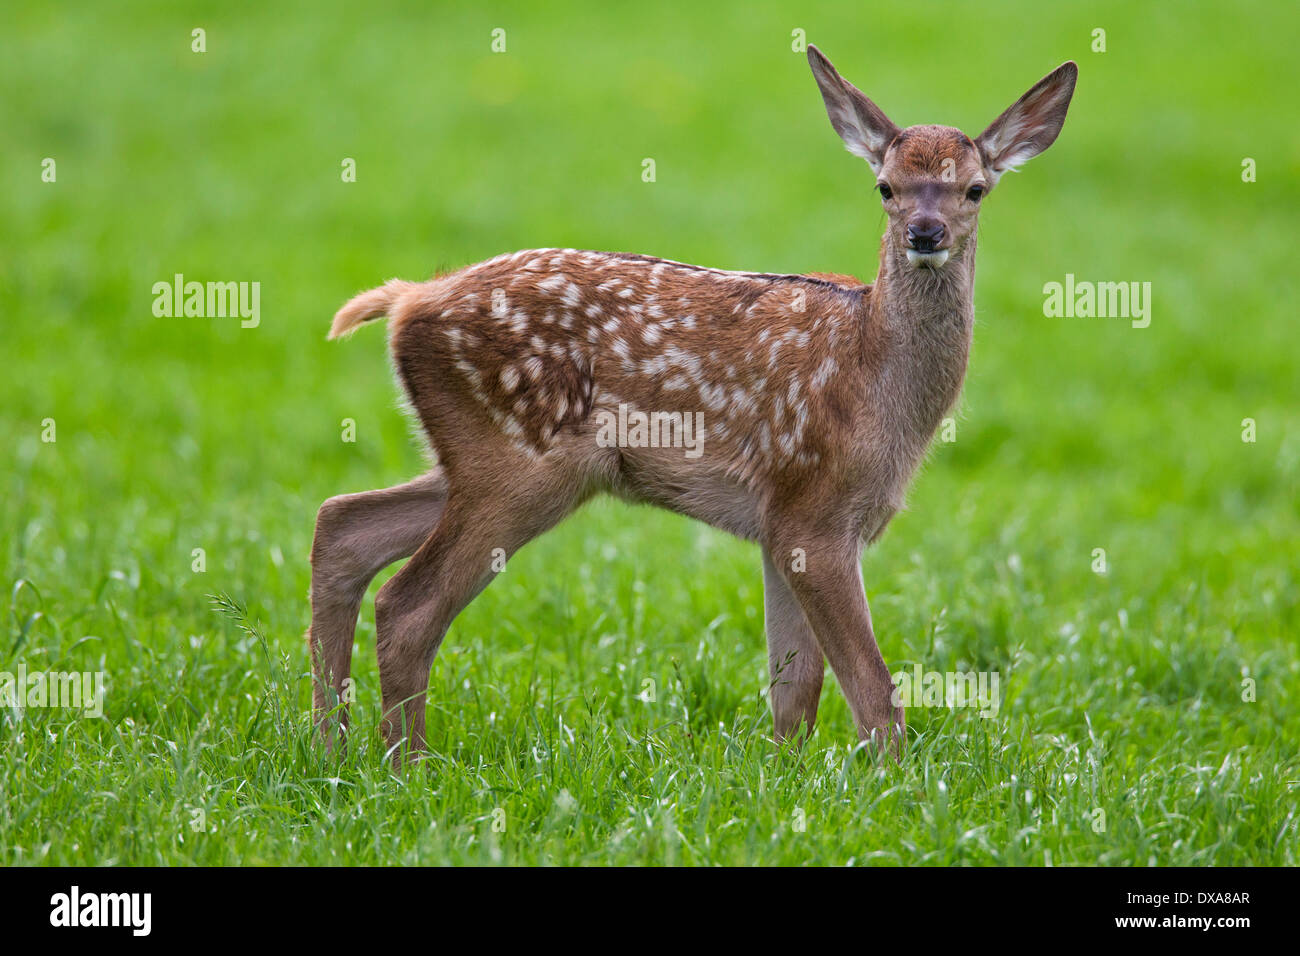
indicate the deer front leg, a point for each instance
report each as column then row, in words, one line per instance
column 356, row 537
column 829, row 589
column 794, row 657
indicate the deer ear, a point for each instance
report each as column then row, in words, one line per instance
column 865, row 129
column 1031, row 125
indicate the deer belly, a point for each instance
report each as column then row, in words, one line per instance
column 695, row 487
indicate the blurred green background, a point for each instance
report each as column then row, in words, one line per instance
column 1122, row 692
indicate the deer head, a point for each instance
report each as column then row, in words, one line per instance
column 932, row 179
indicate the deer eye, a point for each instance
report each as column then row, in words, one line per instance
column 975, row 193
column 885, row 191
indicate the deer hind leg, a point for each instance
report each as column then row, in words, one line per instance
column 356, row 537
column 794, row 658
column 486, row 520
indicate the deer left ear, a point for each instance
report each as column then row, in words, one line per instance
column 1031, row 125
column 864, row 127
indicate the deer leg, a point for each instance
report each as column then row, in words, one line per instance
column 356, row 537
column 794, row 658
column 413, row 611
column 830, row 592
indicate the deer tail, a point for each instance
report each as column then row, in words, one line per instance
column 369, row 305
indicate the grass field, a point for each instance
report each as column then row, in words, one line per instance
column 1147, row 713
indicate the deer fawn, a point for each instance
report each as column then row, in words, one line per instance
column 819, row 396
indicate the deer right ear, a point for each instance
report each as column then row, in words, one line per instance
column 865, row 129
column 1030, row 125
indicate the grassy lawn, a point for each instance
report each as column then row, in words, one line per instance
column 604, row 701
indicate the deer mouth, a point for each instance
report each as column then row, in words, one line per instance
column 927, row 260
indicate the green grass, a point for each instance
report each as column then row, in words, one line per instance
column 1122, row 692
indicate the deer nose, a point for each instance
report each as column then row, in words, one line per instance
column 925, row 235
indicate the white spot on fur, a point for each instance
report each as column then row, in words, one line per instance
column 742, row 401
column 824, row 372
column 714, row 396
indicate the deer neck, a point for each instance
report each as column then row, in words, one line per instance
column 922, row 321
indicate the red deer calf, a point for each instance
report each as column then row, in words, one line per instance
column 818, row 396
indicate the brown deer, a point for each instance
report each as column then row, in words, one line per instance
column 818, row 393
